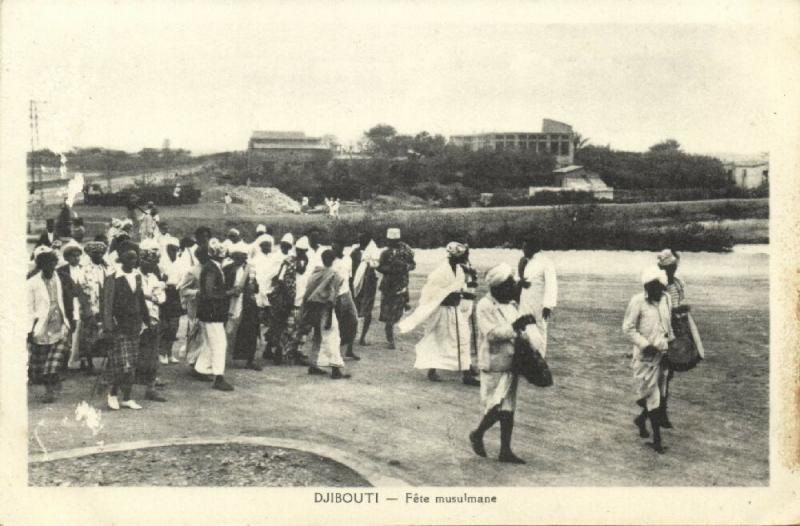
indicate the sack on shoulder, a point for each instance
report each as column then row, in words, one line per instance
column 529, row 363
column 682, row 353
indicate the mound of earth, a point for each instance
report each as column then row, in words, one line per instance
column 197, row 465
column 257, row 199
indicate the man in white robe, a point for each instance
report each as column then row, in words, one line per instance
column 539, row 287
column 447, row 341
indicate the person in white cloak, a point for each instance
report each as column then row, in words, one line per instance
column 648, row 325
column 539, row 287
column 266, row 265
column 238, row 271
column 365, row 257
column 448, row 333
column 499, row 325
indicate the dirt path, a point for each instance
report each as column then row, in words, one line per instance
column 577, row 433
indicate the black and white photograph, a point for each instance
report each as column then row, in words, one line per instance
column 400, row 255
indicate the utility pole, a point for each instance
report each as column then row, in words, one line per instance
column 33, row 115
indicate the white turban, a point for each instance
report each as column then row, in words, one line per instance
column 666, row 258
column 71, row 246
column 302, row 243
column 238, row 248
column 261, row 229
column 653, row 273
column 498, row 275
column 393, row 233
column 41, row 249
column 264, row 237
column 288, row 238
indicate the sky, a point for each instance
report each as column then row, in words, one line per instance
column 206, row 74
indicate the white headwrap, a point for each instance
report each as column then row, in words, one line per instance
column 302, row 243
column 41, row 249
column 393, row 233
column 666, row 258
column 498, row 275
column 653, row 273
column 288, row 238
column 261, row 229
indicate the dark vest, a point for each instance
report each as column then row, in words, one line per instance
column 128, row 307
column 212, row 302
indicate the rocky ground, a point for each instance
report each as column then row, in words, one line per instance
column 196, row 465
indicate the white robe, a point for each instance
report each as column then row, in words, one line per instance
column 447, row 341
column 330, row 354
column 542, row 293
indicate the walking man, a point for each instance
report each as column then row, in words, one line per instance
column 539, row 287
column 365, row 257
column 448, row 332
column 395, row 264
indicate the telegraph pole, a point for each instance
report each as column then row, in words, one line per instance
column 33, row 114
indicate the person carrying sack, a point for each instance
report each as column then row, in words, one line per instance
column 500, row 325
column 686, row 349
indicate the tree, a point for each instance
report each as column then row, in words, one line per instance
column 668, row 146
column 380, row 140
column 579, row 141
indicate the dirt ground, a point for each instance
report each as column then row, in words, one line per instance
column 577, row 433
column 197, row 465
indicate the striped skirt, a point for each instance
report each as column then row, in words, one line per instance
column 122, row 358
column 46, row 360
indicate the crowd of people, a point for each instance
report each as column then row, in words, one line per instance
column 126, row 295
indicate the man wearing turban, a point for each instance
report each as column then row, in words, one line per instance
column 500, row 323
column 648, row 326
column 395, row 263
column 213, row 304
column 447, row 341
column 539, row 286
column 682, row 321
column 95, row 271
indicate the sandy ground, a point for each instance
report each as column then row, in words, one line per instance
column 576, row 433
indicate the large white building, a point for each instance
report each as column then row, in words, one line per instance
column 556, row 138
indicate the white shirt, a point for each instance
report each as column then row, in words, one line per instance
column 543, row 292
column 173, row 270
column 344, row 267
column 130, row 276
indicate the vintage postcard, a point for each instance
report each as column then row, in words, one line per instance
column 400, row 263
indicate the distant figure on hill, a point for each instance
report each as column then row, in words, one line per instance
column 228, row 200
column 177, row 192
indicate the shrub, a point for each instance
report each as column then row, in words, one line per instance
column 158, row 194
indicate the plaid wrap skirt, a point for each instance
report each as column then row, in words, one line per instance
column 122, row 358
column 46, row 359
column 147, row 361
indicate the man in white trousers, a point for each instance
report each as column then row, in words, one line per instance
column 539, row 287
column 213, row 303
